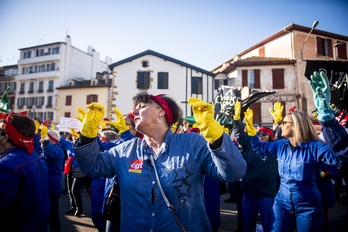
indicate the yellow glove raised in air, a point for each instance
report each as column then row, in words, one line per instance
column 44, row 131
column 37, row 125
column 73, row 132
column 203, row 113
column 82, row 113
column 93, row 117
column 237, row 109
column 278, row 112
column 249, row 122
column 52, row 126
column 120, row 123
column 102, row 124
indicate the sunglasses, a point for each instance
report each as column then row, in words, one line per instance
column 285, row 122
column 262, row 133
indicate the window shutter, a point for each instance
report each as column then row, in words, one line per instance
column 140, row 81
column 256, row 107
column 329, row 48
column 88, row 99
column 244, row 78
column 278, row 78
column 96, row 98
column 319, row 46
column 342, row 51
column 67, row 114
column 257, row 83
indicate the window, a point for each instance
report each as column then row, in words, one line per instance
column 216, row 84
column 92, row 98
column 55, row 50
column 41, row 116
column 23, row 70
column 324, row 47
column 143, row 80
column 53, row 66
column 29, row 54
column 35, row 69
column 341, row 50
column 67, row 114
column 3, row 87
column 145, row 63
column 31, row 87
column 42, row 68
column 162, row 80
column 251, row 78
column 49, row 102
column 40, row 90
column 20, row 102
column 196, row 85
column 22, row 88
column 48, row 51
column 12, row 86
column 50, row 86
column 7, row 72
column 278, row 78
column 37, row 52
column 48, row 67
column 31, row 102
column 41, row 52
column 50, row 116
column 15, row 71
column 68, row 100
column 40, row 102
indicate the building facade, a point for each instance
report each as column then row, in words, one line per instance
column 158, row 74
column 43, row 68
column 279, row 63
column 8, row 78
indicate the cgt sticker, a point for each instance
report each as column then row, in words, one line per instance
column 136, row 166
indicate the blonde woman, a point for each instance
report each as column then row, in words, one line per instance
column 299, row 156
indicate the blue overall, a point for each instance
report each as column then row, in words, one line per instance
column 298, row 200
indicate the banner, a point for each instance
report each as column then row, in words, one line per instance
column 66, row 123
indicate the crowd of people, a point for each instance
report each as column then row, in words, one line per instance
column 152, row 171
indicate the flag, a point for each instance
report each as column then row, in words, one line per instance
column 3, row 104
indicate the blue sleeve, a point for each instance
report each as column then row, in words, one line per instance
column 242, row 137
column 267, row 148
column 109, row 145
column 336, row 138
column 127, row 135
column 37, row 144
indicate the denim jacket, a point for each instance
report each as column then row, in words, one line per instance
column 181, row 163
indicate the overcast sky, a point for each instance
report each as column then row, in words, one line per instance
column 203, row 33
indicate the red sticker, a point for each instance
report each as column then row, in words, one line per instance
column 136, row 166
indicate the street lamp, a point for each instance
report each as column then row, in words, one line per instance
column 313, row 26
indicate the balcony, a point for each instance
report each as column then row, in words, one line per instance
column 38, row 75
column 39, row 59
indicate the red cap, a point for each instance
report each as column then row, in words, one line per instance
column 268, row 131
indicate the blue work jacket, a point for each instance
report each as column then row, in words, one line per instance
column 53, row 155
column 24, row 202
column 297, row 169
column 181, row 162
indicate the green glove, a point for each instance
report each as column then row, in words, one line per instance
column 278, row 112
column 82, row 113
column 120, row 123
column 237, row 109
column 44, row 131
column 321, row 90
column 249, row 122
column 204, row 115
column 93, row 117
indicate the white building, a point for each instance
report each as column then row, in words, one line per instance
column 158, row 74
column 45, row 67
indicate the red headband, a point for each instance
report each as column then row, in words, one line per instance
column 165, row 107
column 51, row 137
column 131, row 115
column 104, row 139
column 19, row 139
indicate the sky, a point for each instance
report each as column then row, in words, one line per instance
column 203, row 33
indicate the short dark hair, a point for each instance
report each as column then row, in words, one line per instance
column 143, row 97
column 23, row 124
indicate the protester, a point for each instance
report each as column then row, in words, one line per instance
column 259, row 185
column 297, row 202
column 53, row 155
column 24, row 202
column 334, row 134
column 182, row 161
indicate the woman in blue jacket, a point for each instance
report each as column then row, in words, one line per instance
column 299, row 155
column 180, row 160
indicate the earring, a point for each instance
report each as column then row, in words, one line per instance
column 159, row 119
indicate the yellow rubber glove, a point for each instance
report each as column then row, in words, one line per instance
column 203, row 113
column 278, row 112
column 44, row 131
column 52, row 126
column 174, row 126
column 194, row 125
column 90, row 124
column 226, row 130
column 82, row 113
column 237, row 109
column 37, row 125
column 322, row 174
column 120, row 124
column 249, row 122
column 102, row 124
column 73, row 132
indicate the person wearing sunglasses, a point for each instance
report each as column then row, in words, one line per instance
column 259, row 185
column 299, row 155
